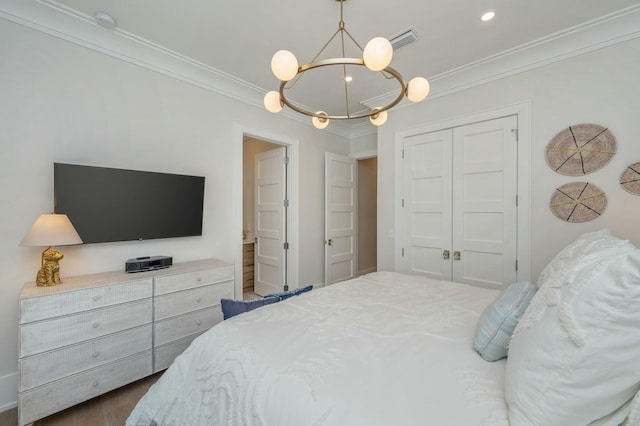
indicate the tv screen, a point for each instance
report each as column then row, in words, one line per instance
column 106, row 204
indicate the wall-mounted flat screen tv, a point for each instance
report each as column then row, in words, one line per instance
column 106, row 204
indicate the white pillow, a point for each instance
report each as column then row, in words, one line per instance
column 574, row 358
column 586, row 250
column 575, row 256
column 634, row 412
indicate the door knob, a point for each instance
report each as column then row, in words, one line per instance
column 456, row 255
column 329, row 242
column 445, row 254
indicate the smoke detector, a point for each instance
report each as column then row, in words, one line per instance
column 105, row 20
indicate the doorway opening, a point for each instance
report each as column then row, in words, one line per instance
column 351, row 203
column 367, row 215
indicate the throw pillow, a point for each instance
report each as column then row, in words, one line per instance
column 499, row 319
column 578, row 360
column 231, row 307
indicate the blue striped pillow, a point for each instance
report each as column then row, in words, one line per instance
column 500, row 318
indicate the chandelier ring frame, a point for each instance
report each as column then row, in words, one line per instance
column 344, row 61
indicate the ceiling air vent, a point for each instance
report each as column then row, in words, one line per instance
column 405, row 37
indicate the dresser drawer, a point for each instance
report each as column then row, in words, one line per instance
column 181, row 302
column 170, row 283
column 58, row 332
column 54, row 305
column 164, row 355
column 44, row 368
column 168, row 330
column 48, row 399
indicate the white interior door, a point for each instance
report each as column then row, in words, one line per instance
column 340, row 218
column 270, row 195
column 485, row 180
column 427, row 205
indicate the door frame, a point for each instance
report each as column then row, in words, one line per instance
column 523, row 112
column 293, row 150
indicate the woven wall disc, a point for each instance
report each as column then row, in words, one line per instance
column 630, row 179
column 580, row 149
column 578, row 202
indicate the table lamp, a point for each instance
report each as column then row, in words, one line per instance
column 51, row 230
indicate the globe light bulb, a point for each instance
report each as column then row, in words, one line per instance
column 377, row 54
column 418, row 89
column 272, row 101
column 320, row 122
column 284, row 65
column 379, row 118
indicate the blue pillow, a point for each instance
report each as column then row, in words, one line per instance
column 500, row 318
column 287, row 294
column 231, row 308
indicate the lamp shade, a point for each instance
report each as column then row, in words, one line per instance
column 418, row 89
column 284, row 65
column 379, row 118
column 272, row 101
column 51, row 230
column 377, row 54
column 320, row 122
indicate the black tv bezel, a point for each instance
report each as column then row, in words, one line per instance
column 164, row 175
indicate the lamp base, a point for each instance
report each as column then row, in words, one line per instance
column 49, row 273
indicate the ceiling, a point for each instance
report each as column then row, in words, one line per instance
column 238, row 37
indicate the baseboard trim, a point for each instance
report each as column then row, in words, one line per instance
column 8, row 392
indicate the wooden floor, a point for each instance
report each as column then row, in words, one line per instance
column 110, row 409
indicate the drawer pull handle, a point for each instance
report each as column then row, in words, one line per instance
column 96, row 324
column 96, row 298
column 199, row 322
column 199, row 300
column 95, row 384
column 96, row 354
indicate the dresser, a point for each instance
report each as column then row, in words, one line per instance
column 94, row 333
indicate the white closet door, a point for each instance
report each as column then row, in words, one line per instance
column 270, row 193
column 340, row 218
column 427, row 205
column 484, row 202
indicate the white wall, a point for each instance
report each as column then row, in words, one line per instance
column 62, row 102
column 364, row 146
column 598, row 87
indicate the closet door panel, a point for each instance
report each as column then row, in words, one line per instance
column 427, row 209
column 484, row 178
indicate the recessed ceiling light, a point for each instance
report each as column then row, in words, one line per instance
column 348, row 78
column 488, row 16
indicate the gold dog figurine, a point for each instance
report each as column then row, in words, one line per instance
column 49, row 273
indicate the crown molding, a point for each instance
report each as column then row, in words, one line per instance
column 52, row 18
column 599, row 33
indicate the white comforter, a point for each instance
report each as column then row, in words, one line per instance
column 383, row 349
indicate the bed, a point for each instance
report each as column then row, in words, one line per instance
column 395, row 349
column 356, row 352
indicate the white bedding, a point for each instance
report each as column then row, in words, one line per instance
column 383, row 349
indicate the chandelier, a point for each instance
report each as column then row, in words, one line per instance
column 376, row 56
